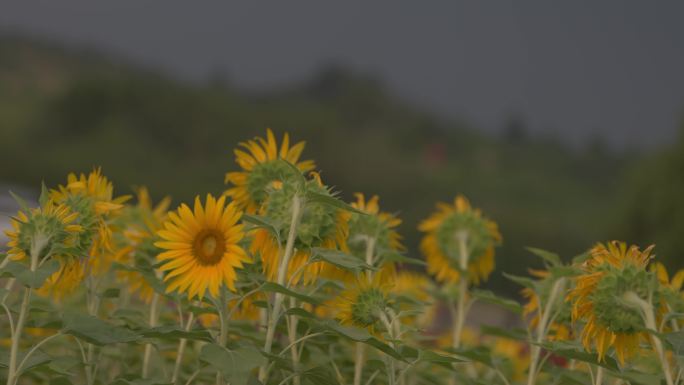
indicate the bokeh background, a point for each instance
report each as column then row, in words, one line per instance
column 562, row 121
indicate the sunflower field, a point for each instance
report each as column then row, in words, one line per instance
column 278, row 281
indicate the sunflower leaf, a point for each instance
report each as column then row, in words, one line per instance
column 22, row 203
column 552, row 258
column 489, row 297
column 274, row 287
column 236, row 365
column 44, row 195
column 262, row 222
column 522, row 281
column 393, row 256
column 362, row 335
column 25, row 276
column 339, row 259
column 572, row 351
column 96, row 331
column 317, row 197
column 171, row 332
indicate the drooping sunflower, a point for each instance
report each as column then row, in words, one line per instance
column 202, row 247
column 380, row 227
column 364, row 304
column 449, row 229
column 612, row 271
column 261, row 169
column 51, row 228
column 320, row 225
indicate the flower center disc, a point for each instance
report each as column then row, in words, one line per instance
column 209, row 247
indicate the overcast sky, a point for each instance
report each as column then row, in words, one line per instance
column 573, row 68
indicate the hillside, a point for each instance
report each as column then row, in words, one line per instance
column 63, row 110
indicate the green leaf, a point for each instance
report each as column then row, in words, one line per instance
column 96, row 331
column 236, row 365
column 44, row 195
column 548, row 256
column 63, row 365
column 319, row 375
column 439, row 359
column 112, row 292
column 339, row 259
column 489, row 297
column 478, row 354
column 22, row 203
column 564, row 271
column 171, row 332
column 676, row 340
column 514, row 333
column 316, row 197
column 260, row 221
column 274, row 287
column 361, row 335
column 393, row 256
column 572, row 351
column 26, row 277
column 522, row 281
column 132, row 380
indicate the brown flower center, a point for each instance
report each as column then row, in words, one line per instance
column 209, row 247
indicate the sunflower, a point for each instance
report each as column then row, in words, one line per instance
column 364, row 304
column 376, row 225
column 202, row 250
column 50, row 227
column 671, row 289
column 320, row 226
column 66, row 280
column 612, row 271
column 450, row 228
column 263, row 167
column 92, row 197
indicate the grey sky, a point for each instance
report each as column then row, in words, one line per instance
column 574, row 68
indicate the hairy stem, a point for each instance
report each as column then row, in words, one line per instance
column 181, row 349
column 542, row 329
column 153, row 320
column 282, row 274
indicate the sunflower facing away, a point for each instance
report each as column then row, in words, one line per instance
column 364, row 304
column 202, row 250
column 612, row 270
column 260, row 160
column 446, row 228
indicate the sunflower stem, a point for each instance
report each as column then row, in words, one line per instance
column 647, row 312
column 223, row 329
column 462, row 237
column 282, row 274
column 37, row 245
column 542, row 329
column 599, row 376
column 358, row 362
column 181, row 348
column 154, row 318
column 292, row 334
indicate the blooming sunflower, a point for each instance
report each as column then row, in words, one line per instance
column 262, row 167
column 612, row 271
column 320, row 225
column 202, row 250
column 450, row 228
column 364, row 304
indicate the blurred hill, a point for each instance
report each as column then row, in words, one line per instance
column 63, row 110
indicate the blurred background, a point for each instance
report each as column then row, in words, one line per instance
column 562, row 121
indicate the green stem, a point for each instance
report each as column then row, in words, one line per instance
column 223, row 329
column 181, row 349
column 154, row 318
column 460, row 315
column 542, row 329
column 358, row 362
column 292, row 334
column 12, row 373
column 282, row 274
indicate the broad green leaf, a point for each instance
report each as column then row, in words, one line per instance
column 316, row 197
column 260, row 221
column 64, row 364
column 236, row 365
column 112, row 292
column 489, row 297
column 572, row 351
column 439, row 359
column 513, row 333
column 96, row 331
column 548, row 256
column 274, row 287
column 676, row 340
column 361, row 335
column 26, row 277
column 479, row 354
column 319, row 375
column 339, row 259
column 171, row 332
column 133, row 380
column 393, row 256
column 299, row 312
